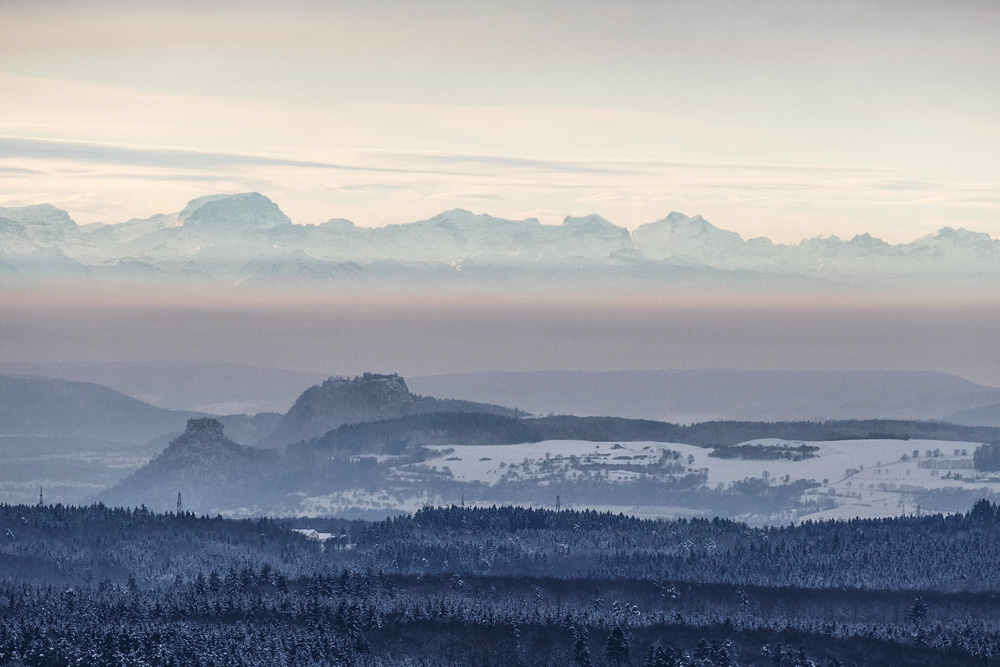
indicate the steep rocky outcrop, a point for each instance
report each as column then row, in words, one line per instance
column 202, row 443
column 368, row 397
column 208, row 469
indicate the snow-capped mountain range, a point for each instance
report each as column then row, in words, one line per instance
column 245, row 239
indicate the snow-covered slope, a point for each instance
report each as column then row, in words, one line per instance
column 232, row 213
column 678, row 236
column 28, row 228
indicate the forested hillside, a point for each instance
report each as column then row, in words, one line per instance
column 476, row 428
column 491, row 586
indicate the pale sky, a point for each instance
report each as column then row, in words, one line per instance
column 784, row 119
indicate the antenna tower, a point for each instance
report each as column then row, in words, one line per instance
column 178, row 503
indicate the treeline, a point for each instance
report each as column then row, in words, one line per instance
column 488, row 429
column 935, row 552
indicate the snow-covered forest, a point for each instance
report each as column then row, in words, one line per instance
column 488, row 586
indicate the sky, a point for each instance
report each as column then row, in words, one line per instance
column 782, row 119
column 789, row 120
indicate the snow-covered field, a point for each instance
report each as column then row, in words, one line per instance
column 856, row 478
column 871, row 478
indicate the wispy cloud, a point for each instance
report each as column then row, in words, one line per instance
column 439, row 171
column 203, row 177
column 409, row 162
column 621, row 166
column 19, row 171
column 174, row 158
column 467, row 196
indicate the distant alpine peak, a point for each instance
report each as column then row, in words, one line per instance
column 339, row 224
column 462, row 218
column 868, row 240
column 249, row 210
column 701, row 223
column 453, row 213
column 823, row 240
column 675, row 217
column 832, row 242
column 460, row 215
column 677, row 227
column 956, row 236
column 41, row 215
column 680, row 221
column 592, row 220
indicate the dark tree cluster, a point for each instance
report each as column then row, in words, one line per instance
column 987, row 457
column 765, row 452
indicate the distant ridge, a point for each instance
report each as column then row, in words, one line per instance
column 687, row 396
column 987, row 415
column 40, row 406
column 214, row 388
